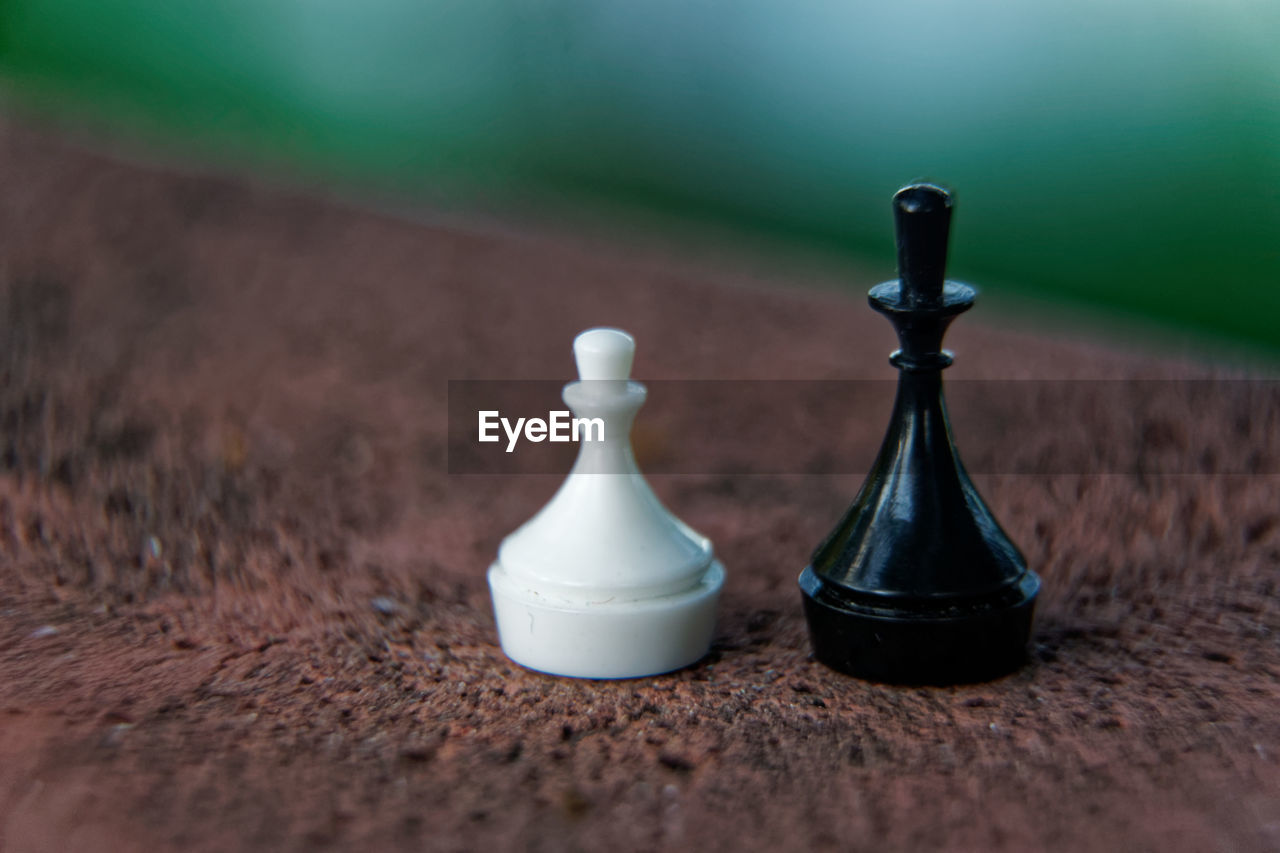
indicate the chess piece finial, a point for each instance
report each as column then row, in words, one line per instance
column 918, row 583
column 922, row 219
column 604, row 582
column 604, row 354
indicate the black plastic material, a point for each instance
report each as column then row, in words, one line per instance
column 918, row 583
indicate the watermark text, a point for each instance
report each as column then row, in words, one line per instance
column 559, row 426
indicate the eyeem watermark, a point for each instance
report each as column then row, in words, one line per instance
column 1145, row 427
column 559, row 426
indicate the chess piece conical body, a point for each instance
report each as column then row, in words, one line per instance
column 604, row 582
column 918, row 583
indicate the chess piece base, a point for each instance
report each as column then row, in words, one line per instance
column 605, row 639
column 906, row 643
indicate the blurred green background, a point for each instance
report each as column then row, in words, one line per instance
column 1122, row 154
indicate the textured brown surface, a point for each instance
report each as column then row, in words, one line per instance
column 242, row 605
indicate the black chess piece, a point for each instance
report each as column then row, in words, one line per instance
column 917, row 583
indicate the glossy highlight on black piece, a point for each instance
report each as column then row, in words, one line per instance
column 918, row 583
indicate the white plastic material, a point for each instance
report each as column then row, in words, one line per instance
column 604, row 354
column 604, row 582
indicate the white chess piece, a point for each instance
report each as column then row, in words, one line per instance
column 604, row 582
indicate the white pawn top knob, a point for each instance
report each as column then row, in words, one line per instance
column 604, row 354
column 604, row 582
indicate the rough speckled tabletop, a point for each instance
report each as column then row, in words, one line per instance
column 242, row 604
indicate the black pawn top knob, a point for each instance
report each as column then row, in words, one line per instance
column 922, row 219
column 918, row 583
